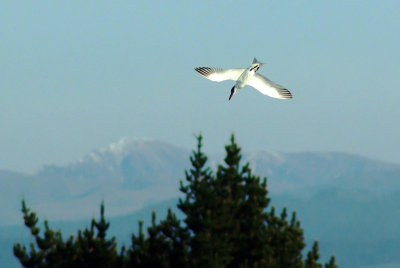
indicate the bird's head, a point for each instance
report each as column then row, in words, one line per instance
column 233, row 91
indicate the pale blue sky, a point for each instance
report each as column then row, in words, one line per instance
column 78, row 75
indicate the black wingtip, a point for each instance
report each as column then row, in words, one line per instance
column 287, row 94
column 204, row 70
column 200, row 70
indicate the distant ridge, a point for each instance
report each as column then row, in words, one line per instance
column 135, row 171
column 348, row 202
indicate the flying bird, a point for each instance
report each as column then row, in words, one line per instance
column 245, row 77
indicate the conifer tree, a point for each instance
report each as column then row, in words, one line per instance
column 199, row 207
column 331, row 263
column 90, row 248
column 227, row 217
column 313, row 256
column 226, row 224
column 165, row 245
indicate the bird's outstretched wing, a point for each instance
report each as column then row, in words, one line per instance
column 267, row 87
column 218, row 74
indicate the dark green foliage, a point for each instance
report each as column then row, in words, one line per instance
column 313, row 256
column 165, row 245
column 90, row 248
column 226, row 224
column 331, row 263
column 226, row 215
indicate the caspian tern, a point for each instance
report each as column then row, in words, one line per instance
column 245, row 77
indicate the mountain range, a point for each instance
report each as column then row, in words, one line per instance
column 348, row 202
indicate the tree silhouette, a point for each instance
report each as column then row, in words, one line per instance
column 90, row 248
column 226, row 223
column 227, row 217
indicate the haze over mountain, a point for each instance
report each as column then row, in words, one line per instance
column 341, row 198
column 133, row 172
column 126, row 174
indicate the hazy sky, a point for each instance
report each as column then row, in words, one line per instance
column 78, row 75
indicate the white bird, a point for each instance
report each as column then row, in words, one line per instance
column 245, row 77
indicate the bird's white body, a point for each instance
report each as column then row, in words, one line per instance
column 245, row 77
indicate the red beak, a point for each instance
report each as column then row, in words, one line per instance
column 230, row 97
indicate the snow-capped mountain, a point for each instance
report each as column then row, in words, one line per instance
column 135, row 163
column 126, row 175
column 133, row 172
column 332, row 192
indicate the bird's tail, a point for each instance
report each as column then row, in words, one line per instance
column 255, row 61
